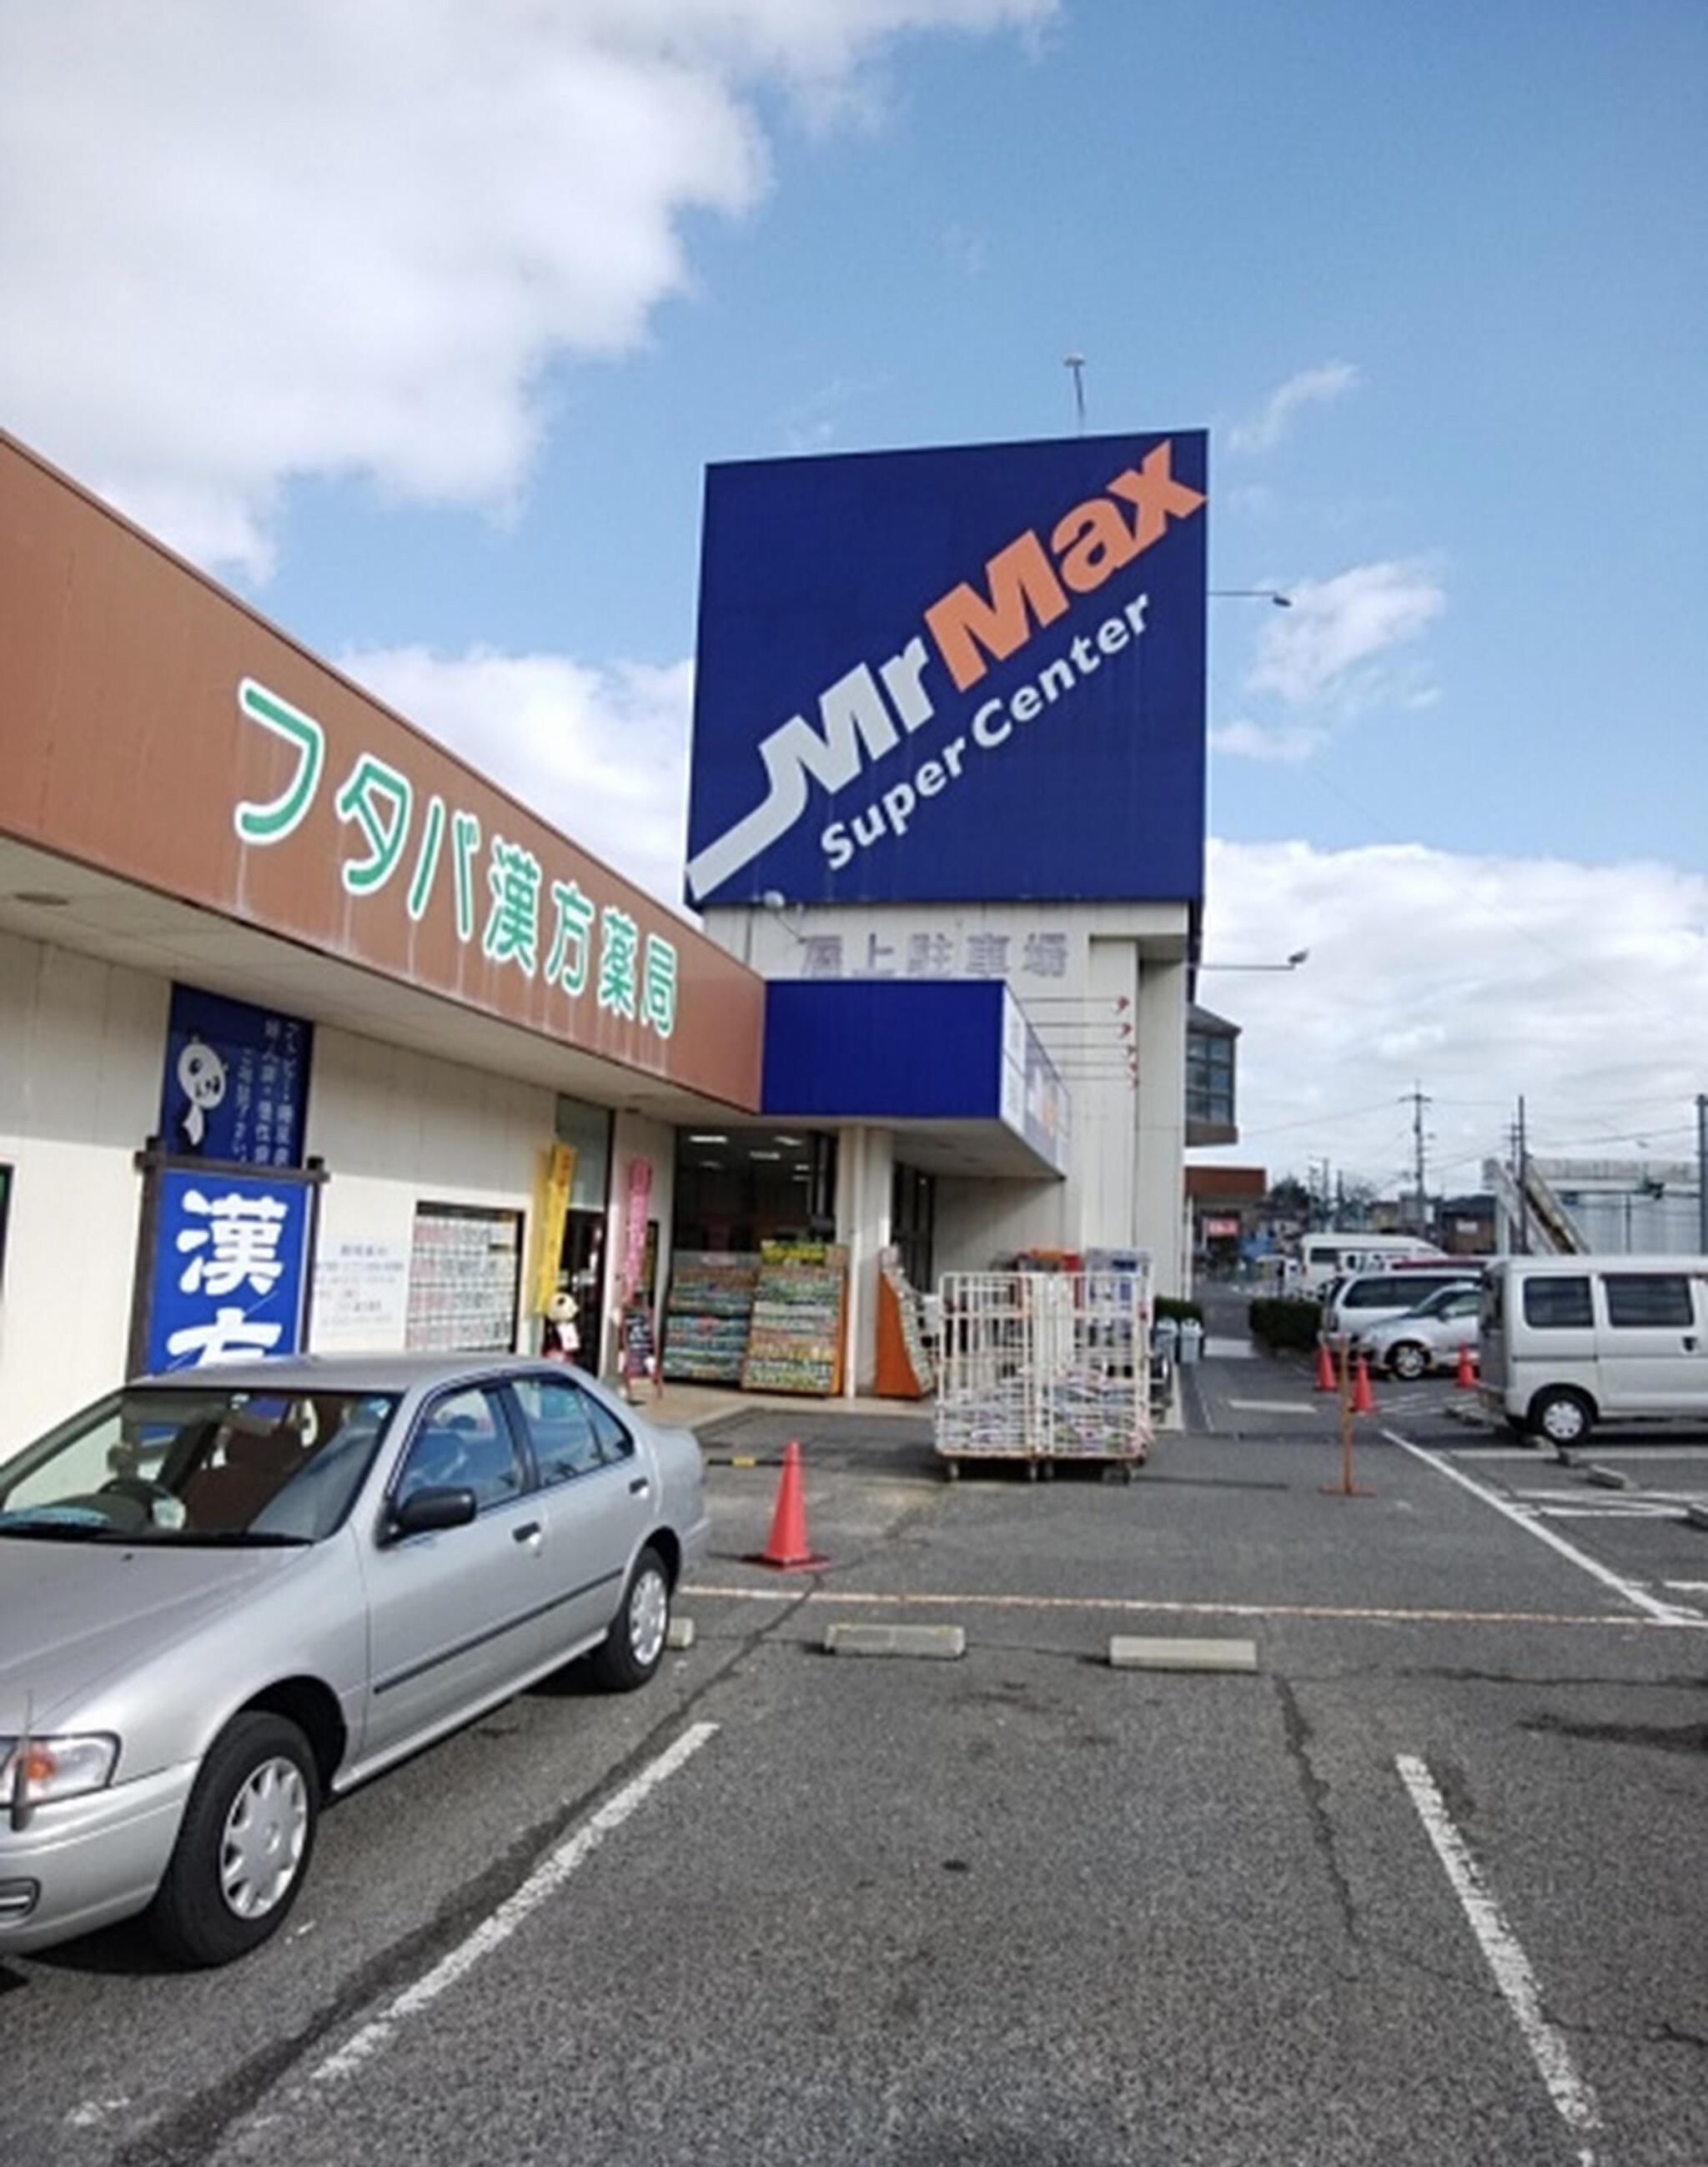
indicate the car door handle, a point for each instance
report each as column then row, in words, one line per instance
column 639, row 1486
column 527, row 1533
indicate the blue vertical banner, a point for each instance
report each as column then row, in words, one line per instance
column 968, row 674
column 228, row 1265
column 236, row 1082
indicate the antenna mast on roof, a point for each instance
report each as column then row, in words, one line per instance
column 1076, row 363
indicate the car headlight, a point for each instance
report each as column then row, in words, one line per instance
column 35, row 1771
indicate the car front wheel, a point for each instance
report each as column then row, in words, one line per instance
column 1562, row 1417
column 1409, row 1361
column 243, row 1848
column 634, row 1648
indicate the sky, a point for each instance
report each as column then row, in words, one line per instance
column 417, row 324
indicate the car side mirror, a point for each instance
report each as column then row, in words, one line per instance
column 425, row 1511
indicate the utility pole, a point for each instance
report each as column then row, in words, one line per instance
column 1419, row 1101
column 1521, row 1156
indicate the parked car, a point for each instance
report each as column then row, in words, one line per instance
column 226, row 1593
column 1428, row 1336
column 1571, row 1341
column 1360, row 1303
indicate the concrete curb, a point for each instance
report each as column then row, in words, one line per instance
column 1129, row 1653
column 938, row 1643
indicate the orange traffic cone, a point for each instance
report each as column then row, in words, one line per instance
column 1363, row 1399
column 788, row 1549
column 1465, row 1377
column 1326, row 1381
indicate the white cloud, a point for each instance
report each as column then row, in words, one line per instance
column 1311, row 387
column 1474, row 980
column 1332, row 644
column 601, row 755
column 244, row 243
column 1288, row 744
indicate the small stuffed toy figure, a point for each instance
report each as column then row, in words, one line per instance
column 560, row 1340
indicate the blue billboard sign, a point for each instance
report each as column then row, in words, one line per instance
column 236, row 1081
column 975, row 674
column 229, row 1268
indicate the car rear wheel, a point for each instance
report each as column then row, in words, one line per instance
column 1561, row 1416
column 243, row 1848
column 1409, row 1359
column 634, row 1648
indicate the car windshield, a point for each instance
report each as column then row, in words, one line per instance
column 197, row 1463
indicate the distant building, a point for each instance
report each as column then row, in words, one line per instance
column 1210, row 1101
column 1225, row 1206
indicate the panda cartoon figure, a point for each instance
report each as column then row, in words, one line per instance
column 560, row 1338
column 201, row 1074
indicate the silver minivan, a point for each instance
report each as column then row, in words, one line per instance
column 1354, row 1306
column 1569, row 1342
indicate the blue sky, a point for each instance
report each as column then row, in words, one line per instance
column 419, row 329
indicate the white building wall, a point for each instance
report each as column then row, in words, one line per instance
column 80, row 1082
column 1107, row 1106
column 866, row 1165
column 1159, row 1204
column 395, row 1129
column 978, row 1221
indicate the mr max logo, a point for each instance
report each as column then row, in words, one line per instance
column 869, row 712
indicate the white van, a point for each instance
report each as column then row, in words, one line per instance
column 1335, row 1255
column 1569, row 1342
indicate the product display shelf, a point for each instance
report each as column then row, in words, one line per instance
column 707, row 1316
column 795, row 1342
column 905, row 1369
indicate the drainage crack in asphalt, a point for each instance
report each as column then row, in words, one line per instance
column 1667, row 2034
column 1299, row 1735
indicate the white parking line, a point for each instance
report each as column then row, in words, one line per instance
column 1572, row 2096
column 1637, row 1509
column 854, row 1599
column 1628, row 1591
column 542, row 1883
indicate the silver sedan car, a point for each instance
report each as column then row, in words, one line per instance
column 228, row 1593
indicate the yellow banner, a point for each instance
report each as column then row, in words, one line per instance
column 550, row 1215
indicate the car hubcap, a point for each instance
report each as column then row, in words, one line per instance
column 649, row 1614
column 1563, row 1424
column 265, row 1832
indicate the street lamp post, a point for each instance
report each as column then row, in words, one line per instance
column 1293, row 962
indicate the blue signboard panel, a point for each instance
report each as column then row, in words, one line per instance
column 971, row 673
column 872, row 1049
column 236, row 1082
column 900, row 1050
column 229, row 1268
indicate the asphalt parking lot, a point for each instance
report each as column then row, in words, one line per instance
column 1417, row 1883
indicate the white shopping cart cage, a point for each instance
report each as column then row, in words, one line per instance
column 1043, row 1366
